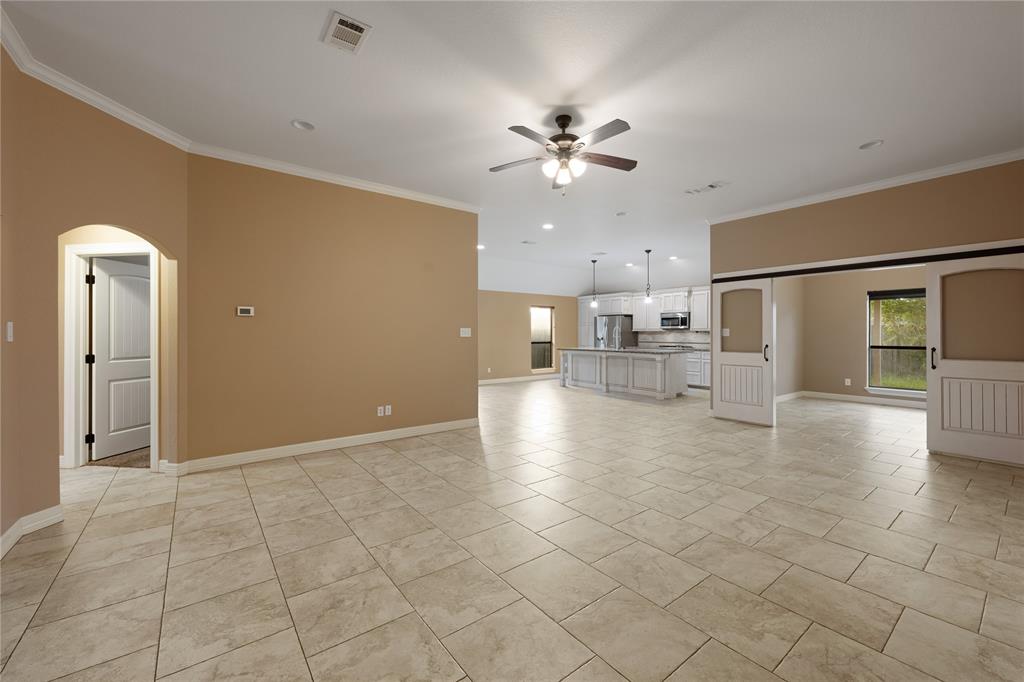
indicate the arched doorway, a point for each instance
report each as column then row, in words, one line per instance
column 114, row 313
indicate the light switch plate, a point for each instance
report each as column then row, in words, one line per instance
column 725, row 331
column 245, row 311
column 465, row 332
column 9, row 331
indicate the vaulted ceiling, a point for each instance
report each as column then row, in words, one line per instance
column 771, row 98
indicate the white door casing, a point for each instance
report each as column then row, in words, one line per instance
column 121, row 343
column 743, row 380
column 975, row 406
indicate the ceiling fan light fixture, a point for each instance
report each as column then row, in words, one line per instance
column 564, row 175
column 577, row 167
column 550, row 168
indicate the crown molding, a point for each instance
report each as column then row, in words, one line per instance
column 324, row 176
column 31, row 66
column 909, row 178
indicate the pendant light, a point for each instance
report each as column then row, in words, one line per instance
column 647, row 298
column 593, row 301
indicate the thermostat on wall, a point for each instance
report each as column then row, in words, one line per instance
column 245, row 311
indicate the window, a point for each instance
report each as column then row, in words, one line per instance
column 896, row 339
column 540, row 338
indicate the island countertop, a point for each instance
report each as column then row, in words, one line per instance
column 644, row 351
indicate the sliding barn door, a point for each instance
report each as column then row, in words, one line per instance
column 976, row 358
column 743, row 351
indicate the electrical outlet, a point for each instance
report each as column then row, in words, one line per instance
column 847, row 382
column 380, row 410
column 488, row 370
column 387, row 410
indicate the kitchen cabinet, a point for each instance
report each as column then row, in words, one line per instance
column 613, row 305
column 698, row 368
column 700, row 309
column 646, row 316
column 705, row 368
column 586, row 322
column 673, row 301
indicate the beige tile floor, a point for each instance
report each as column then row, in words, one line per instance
column 572, row 536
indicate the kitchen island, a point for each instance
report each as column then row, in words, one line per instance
column 655, row 372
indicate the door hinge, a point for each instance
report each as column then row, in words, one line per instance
column 90, row 438
column 90, row 359
column 90, row 279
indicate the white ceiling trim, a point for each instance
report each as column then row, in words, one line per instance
column 909, row 178
column 15, row 46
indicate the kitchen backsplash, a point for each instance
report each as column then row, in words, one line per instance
column 675, row 337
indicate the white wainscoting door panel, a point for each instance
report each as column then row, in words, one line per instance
column 743, row 381
column 975, row 406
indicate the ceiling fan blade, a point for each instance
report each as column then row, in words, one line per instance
column 531, row 135
column 604, row 132
column 616, row 162
column 513, row 164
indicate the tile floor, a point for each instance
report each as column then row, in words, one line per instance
column 572, row 536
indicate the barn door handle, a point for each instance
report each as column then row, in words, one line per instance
column 933, row 358
column 766, row 352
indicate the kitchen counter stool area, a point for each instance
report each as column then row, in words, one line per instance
column 656, row 373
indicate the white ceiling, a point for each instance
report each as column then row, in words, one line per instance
column 772, row 98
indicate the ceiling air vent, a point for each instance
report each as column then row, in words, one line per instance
column 345, row 33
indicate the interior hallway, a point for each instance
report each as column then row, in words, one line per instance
column 571, row 536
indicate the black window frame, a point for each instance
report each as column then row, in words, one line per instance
column 890, row 294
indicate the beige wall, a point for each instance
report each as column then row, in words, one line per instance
column 327, row 267
column 505, row 331
column 968, row 208
column 788, row 293
column 835, row 325
column 359, row 299
column 64, row 164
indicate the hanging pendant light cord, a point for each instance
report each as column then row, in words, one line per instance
column 594, row 265
column 648, row 252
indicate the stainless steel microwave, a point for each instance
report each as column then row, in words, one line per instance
column 675, row 320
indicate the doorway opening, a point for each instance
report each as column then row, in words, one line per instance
column 111, row 377
column 541, row 338
column 931, row 330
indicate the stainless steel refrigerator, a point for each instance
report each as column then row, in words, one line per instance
column 614, row 331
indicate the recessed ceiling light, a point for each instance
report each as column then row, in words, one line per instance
column 548, row 226
column 673, row 257
column 480, row 247
column 629, row 265
column 304, row 126
column 871, row 144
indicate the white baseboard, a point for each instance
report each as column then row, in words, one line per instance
column 28, row 524
column 873, row 400
column 238, row 458
column 510, row 380
column 788, row 396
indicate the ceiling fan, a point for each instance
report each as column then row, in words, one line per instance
column 568, row 154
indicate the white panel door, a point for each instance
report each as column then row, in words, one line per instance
column 743, row 376
column 975, row 406
column 120, row 305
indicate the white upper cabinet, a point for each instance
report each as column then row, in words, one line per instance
column 613, row 305
column 700, row 309
column 646, row 316
column 674, row 301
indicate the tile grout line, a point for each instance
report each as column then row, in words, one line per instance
column 57, row 574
